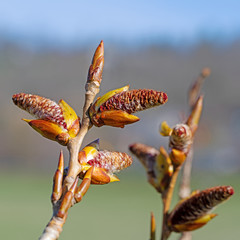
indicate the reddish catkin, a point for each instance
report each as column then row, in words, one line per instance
column 134, row 100
column 111, row 161
column 40, row 107
column 199, row 204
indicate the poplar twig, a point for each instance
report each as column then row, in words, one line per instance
column 54, row 227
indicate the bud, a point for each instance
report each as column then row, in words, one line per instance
column 206, row 72
column 153, row 227
column 180, row 142
column 181, row 138
column 105, row 163
column 157, row 164
column 57, row 180
column 96, row 68
column 57, row 122
column 193, row 213
column 49, row 130
column 88, row 153
column 177, row 157
column 66, row 202
column 115, row 108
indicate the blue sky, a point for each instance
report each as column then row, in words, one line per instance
column 80, row 21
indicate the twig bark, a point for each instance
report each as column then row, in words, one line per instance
column 185, row 187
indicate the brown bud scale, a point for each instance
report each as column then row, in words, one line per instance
column 40, row 107
column 199, row 204
column 96, row 68
column 146, row 154
column 134, row 100
column 111, row 161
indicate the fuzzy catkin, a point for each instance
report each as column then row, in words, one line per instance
column 199, row 204
column 40, row 107
column 111, row 161
column 134, row 100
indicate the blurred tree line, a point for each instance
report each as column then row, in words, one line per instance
column 61, row 73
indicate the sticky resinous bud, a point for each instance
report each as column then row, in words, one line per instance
column 95, row 71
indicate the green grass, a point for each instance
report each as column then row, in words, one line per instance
column 115, row 211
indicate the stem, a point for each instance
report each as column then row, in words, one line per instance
column 75, row 144
column 167, row 199
column 53, row 229
column 185, row 188
column 67, row 200
column 186, row 236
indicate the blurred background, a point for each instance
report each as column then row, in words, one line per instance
column 46, row 48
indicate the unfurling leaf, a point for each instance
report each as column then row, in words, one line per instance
column 116, row 107
column 165, row 130
column 193, row 212
column 57, row 122
column 157, row 164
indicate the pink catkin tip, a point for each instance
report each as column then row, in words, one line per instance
column 181, row 131
column 230, row 190
column 14, row 97
column 165, row 97
column 131, row 146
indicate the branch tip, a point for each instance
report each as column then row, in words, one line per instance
column 96, row 68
